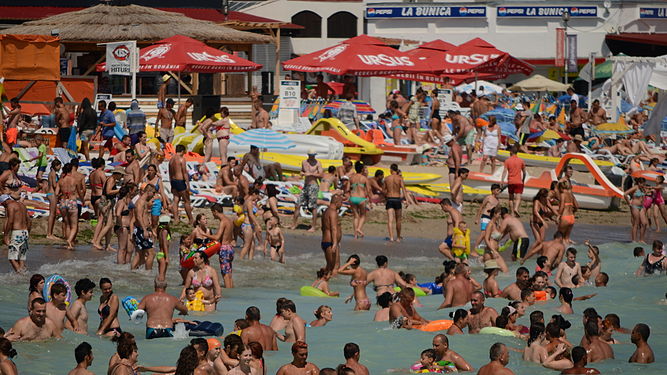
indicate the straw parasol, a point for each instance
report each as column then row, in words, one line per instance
column 107, row 23
column 539, row 83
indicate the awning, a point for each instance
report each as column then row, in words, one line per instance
column 637, row 44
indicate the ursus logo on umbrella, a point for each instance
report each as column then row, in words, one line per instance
column 332, row 52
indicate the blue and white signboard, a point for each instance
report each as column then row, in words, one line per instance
column 542, row 12
column 652, row 12
column 425, row 11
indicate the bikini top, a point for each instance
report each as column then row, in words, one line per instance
column 208, row 282
column 651, row 268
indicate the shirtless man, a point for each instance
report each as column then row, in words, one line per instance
column 83, row 354
column 225, row 182
column 214, row 356
column 180, row 184
column 459, row 290
column 159, row 307
column 133, row 171
column 403, row 313
column 568, row 269
column 454, row 158
column 553, row 250
column 597, row 115
column 182, row 113
column 352, row 353
column 513, row 291
column 57, row 311
column 36, row 326
column 14, row 115
column 299, row 365
column 453, row 220
column 165, row 117
column 257, row 331
column 295, row 330
column 394, row 186
column 143, row 234
column 456, row 189
column 444, row 353
column 16, row 230
column 577, row 119
column 483, row 217
column 639, row 337
column 84, row 291
column 595, row 265
column 376, row 184
column 513, row 227
column 256, row 169
column 311, row 171
column 598, row 350
column 224, row 235
column 332, row 234
column 500, row 357
column 260, row 117
column 580, row 360
column 204, row 367
column 480, row 316
column 465, row 135
column 62, row 120
column 322, row 89
column 384, row 278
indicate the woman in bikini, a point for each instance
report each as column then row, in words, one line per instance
column 106, row 203
column 249, row 225
column 542, row 210
column 491, row 288
column 397, row 115
column 66, row 191
column 122, row 226
column 322, row 282
column 275, row 241
column 270, row 207
column 141, row 149
column 635, row 199
column 56, row 165
column 207, row 130
column 359, row 193
column 108, row 310
column 491, row 238
column 9, row 179
column 357, row 282
column 201, row 234
column 128, row 355
column 654, row 262
column 222, row 131
column 202, row 277
column 568, row 206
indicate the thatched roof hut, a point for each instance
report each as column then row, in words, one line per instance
column 107, row 23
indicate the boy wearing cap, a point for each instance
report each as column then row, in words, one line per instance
column 16, row 233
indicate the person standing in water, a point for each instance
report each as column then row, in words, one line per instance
column 299, row 365
column 500, row 357
column 83, row 354
column 568, row 269
column 358, row 282
column 639, row 337
column 383, row 278
column 159, row 307
column 394, row 186
column 224, row 235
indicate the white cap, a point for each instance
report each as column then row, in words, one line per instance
column 519, row 107
column 311, row 151
column 448, row 138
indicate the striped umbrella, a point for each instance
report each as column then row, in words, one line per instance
column 363, row 108
column 263, row 138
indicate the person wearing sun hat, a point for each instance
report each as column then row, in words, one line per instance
column 491, row 288
column 575, row 144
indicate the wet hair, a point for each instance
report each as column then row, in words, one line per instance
column 407, row 277
column 643, row 330
column 384, row 299
column 241, row 323
column 525, row 293
column 252, row 313
column 657, row 245
column 536, row 317
column 566, row 294
column 591, row 328
column 126, row 348
column 6, row 348
column 552, row 291
column 553, row 330
column 521, row 270
column 604, row 278
column 357, row 260
column 358, row 166
column 124, row 337
column 381, row 260
column 344, row 370
column 561, row 322
column 541, row 261
column 83, row 285
column 298, row 345
column 232, row 341
column 496, row 351
column 288, row 305
column 536, row 330
column 350, row 349
column 458, row 314
column 430, row 353
column 450, row 265
column 637, row 252
column 578, row 354
column 322, row 272
column 37, row 301
column 614, row 320
column 591, row 314
column 57, row 288
column 82, row 351
column 34, row 281
column 327, row 371
column 201, row 343
column 187, row 361
column 506, row 312
column 501, row 321
column 318, row 312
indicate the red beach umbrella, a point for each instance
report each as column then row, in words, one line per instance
column 182, row 54
column 479, row 56
column 362, row 56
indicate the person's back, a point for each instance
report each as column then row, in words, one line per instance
column 136, row 119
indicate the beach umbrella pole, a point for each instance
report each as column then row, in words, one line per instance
column 591, row 63
column 179, row 87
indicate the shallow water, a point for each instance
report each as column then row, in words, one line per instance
column 633, row 299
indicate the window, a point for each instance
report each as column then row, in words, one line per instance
column 342, row 25
column 311, row 22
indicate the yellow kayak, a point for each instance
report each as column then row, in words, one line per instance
column 550, row 162
column 443, row 191
column 293, row 163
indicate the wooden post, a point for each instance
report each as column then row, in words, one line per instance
column 276, row 76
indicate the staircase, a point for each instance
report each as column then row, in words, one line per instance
column 240, row 109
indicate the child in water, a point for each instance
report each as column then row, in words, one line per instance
column 194, row 300
column 461, row 241
column 426, row 363
column 275, row 241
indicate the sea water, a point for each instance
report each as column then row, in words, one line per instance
column 261, row 282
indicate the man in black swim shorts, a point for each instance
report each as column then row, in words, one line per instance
column 332, row 233
column 394, row 186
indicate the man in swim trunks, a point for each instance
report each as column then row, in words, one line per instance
column 513, row 227
column 225, row 235
column 465, row 135
column 182, row 113
column 159, row 307
column 453, row 221
column 456, row 189
column 453, row 158
column 553, row 250
column 513, row 291
column 180, row 184
column 577, row 119
column 639, row 337
column 299, row 365
column 568, row 269
column 36, row 326
column 133, row 171
column 165, row 117
column 394, row 186
column 332, row 234
column 352, row 353
column 143, row 234
column 17, row 230
column 311, row 171
column 500, row 357
column 580, row 360
column 484, row 215
column 458, row 290
column 515, row 170
column 62, row 121
column 444, row 354
column 257, row 331
column 255, row 168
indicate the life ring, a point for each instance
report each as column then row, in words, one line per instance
column 131, row 306
column 209, row 249
column 418, row 291
column 540, row 295
column 56, row 279
column 496, row 331
column 435, row 325
column 309, row 291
